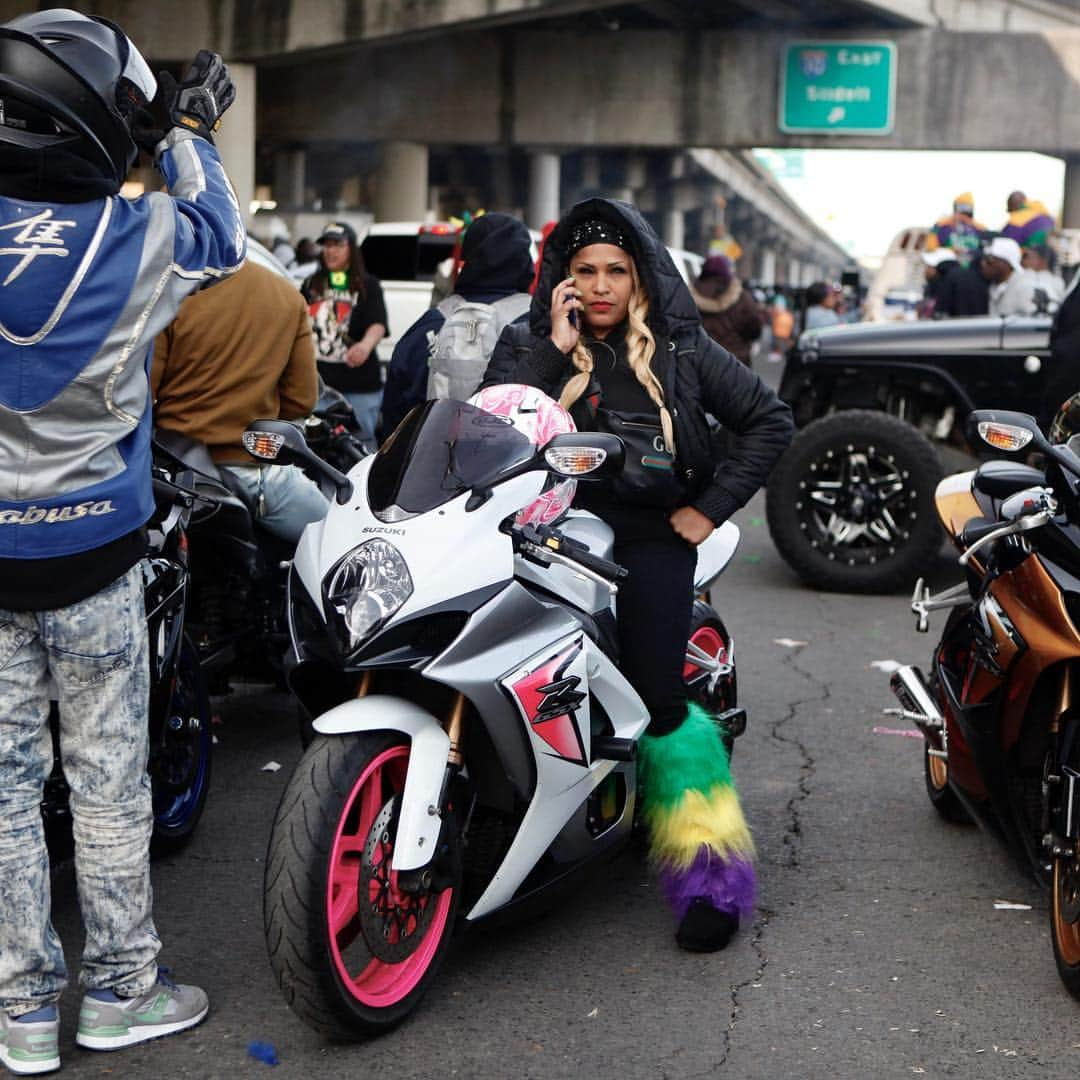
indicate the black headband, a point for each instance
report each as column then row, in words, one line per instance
column 596, row 231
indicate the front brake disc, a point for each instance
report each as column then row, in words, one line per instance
column 393, row 923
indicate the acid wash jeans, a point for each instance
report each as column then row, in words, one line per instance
column 96, row 653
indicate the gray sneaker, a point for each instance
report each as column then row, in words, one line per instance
column 30, row 1044
column 108, row 1022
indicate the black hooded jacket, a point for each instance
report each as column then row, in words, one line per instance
column 698, row 376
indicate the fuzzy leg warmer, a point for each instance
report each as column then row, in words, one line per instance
column 698, row 836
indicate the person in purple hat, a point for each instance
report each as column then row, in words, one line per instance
column 729, row 313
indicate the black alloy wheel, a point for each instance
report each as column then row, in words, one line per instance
column 850, row 504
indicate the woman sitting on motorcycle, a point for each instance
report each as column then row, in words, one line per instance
column 615, row 335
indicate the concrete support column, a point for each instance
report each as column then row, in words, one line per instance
column 674, row 229
column 236, row 139
column 590, row 171
column 794, row 274
column 637, row 171
column 544, row 196
column 767, row 273
column 1070, row 207
column 290, row 179
column 402, row 184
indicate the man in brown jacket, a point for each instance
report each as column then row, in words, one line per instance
column 237, row 352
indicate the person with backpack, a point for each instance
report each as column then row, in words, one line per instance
column 88, row 279
column 445, row 352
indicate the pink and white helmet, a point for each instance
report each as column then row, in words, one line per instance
column 539, row 418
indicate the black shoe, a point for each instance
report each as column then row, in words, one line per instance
column 705, row 928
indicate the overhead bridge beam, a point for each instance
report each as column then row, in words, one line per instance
column 665, row 89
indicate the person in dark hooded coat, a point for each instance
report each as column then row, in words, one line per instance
column 497, row 264
column 639, row 360
column 729, row 313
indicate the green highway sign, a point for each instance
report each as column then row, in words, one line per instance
column 847, row 87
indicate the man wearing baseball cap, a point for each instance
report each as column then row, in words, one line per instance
column 1011, row 290
column 937, row 265
column 348, row 316
column 958, row 230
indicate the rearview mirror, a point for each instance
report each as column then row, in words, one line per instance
column 1011, row 433
column 280, row 443
column 1014, row 434
column 585, row 454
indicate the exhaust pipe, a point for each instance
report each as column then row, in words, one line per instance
column 916, row 702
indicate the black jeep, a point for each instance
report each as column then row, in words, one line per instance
column 850, row 505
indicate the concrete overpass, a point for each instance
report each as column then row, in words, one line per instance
column 491, row 102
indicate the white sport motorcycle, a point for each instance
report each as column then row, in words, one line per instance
column 474, row 738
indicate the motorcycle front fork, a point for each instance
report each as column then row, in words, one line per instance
column 432, row 877
column 1061, row 783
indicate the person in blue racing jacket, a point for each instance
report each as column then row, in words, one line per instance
column 87, row 279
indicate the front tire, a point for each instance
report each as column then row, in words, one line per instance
column 1065, row 921
column 850, row 504
column 351, row 953
column 1065, row 884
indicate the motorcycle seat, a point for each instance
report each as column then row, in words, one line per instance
column 1000, row 479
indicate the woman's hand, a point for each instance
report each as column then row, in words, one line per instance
column 564, row 299
column 692, row 525
column 357, row 354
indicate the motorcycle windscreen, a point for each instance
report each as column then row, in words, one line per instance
column 441, row 450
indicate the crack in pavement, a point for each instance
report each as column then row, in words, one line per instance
column 792, row 838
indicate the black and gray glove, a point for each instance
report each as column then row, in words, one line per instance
column 198, row 101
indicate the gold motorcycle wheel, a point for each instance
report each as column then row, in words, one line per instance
column 1065, row 921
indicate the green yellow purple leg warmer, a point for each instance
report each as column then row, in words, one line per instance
column 697, row 834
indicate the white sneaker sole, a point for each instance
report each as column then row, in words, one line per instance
column 28, row 1068
column 143, row 1033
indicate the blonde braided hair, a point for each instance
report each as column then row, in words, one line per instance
column 640, row 349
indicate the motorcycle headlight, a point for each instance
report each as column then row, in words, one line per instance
column 367, row 587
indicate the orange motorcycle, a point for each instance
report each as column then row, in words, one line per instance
column 1000, row 711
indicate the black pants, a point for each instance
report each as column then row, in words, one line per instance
column 654, row 607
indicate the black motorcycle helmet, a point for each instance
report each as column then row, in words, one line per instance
column 72, row 82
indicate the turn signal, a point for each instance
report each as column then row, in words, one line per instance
column 575, row 461
column 1004, row 436
column 263, row 444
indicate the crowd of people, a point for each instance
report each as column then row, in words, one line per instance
column 971, row 270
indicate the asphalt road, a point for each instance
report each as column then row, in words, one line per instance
column 876, row 949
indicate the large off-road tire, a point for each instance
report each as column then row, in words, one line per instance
column 351, row 953
column 851, row 503
column 180, row 763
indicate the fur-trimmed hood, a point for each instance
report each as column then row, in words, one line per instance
column 714, row 305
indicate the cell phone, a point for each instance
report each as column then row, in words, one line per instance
column 571, row 316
